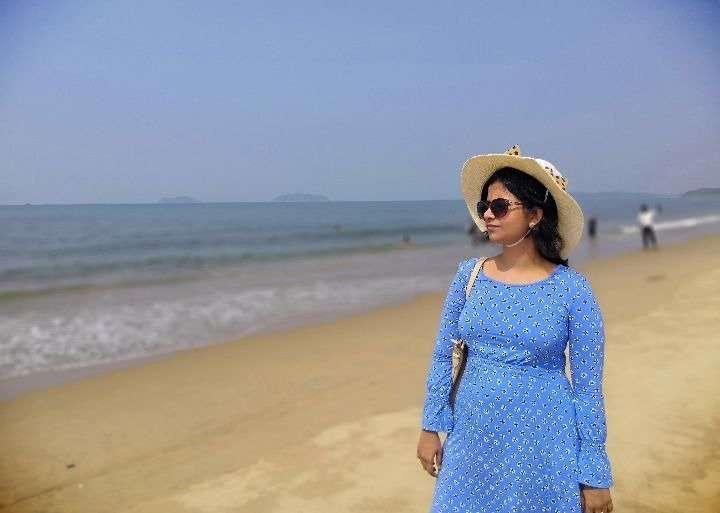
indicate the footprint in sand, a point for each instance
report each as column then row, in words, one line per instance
column 655, row 277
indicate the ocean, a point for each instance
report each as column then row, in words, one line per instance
column 82, row 285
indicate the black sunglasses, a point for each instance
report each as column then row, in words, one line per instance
column 499, row 207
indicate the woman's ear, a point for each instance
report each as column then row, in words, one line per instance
column 537, row 215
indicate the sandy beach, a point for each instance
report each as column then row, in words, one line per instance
column 325, row 418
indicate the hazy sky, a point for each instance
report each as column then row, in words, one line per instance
column 124, row 101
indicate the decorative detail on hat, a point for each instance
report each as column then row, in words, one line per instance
column 553, row 173
column 514, row 150
column 556, row 176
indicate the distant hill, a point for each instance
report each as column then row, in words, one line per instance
column 704, row 192
column 179, row 199
column 301, row 197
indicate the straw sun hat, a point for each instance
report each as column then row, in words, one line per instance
column 476, row 170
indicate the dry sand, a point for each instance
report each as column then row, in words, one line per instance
column 325, row 418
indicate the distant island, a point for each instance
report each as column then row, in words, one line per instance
column 301, row 197
column 703, row 192
column 179, row 199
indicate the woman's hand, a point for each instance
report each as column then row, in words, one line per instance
column 595, row 500
column 430, row 451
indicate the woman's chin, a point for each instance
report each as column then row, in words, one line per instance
column 495, row 238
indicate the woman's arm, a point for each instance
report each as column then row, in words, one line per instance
column 587, row 348
column 437, row 414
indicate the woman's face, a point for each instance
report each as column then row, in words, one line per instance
column 512, row 225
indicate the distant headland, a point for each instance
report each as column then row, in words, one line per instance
column 179, row 199
column 301, row 197
column 704, row 192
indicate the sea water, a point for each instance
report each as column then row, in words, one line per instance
column 87, row 284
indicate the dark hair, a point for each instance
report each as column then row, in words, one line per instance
column 531, row 193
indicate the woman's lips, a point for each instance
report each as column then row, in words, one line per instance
column 492, row 226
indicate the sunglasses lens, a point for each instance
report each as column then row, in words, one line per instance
column 498, row 207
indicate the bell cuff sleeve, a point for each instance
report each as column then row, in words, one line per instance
column 586, row 350
column 437, row 413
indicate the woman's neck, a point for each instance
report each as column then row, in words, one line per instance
column 520, row 258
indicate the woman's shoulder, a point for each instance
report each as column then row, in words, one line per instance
column 469, row 263
column 575, row 275
column 466, row 265
column 578, row 282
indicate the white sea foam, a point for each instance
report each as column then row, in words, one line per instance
column 688, row 222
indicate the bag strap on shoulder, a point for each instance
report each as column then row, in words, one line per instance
column 473, row 275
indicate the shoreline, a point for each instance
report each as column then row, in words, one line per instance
column 18, row 386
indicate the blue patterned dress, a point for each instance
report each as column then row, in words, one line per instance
column 520, row 439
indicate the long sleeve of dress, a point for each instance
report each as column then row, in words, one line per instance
column 437, row 414
column 586, row 349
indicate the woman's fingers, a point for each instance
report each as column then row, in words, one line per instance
column 429, row 451
column 428, row 464
column 437, row 457
column 606, row 508
column 429, row 467
column 596, row 500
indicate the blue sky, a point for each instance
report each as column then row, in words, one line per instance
column 125, row 101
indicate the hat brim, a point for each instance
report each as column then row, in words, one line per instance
column 476, row 171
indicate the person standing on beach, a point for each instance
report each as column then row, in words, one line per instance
column 645, row 218
column 592, row 228
column 521, row 436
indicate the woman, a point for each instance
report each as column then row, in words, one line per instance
column 521, row 437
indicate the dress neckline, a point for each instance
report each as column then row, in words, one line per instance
column 548, row 278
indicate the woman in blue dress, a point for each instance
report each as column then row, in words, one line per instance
column 520, row 436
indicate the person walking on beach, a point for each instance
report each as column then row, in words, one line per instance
column 646, row 218
column 520, row 436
